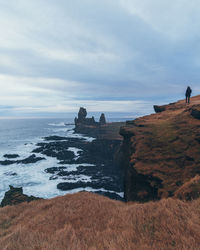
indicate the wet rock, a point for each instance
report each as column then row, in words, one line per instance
column 15, row 196
column 54, row 170
column 65, row 186
column 95, row 160
column 55, row 138
column 10, row 156
column 56, row 149
column 7, row 162
column 31, row 159
column 10, row 173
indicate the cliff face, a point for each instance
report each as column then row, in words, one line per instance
column 161, row 151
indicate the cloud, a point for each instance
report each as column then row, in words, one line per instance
column 176, row 20
column 97, row 53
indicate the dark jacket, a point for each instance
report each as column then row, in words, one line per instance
column 188, row 91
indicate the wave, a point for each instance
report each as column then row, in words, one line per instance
column 59, row 124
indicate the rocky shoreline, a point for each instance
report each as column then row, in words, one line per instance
column 83, row 163
column 94, row 159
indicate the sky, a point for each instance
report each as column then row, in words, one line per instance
column 108, row 56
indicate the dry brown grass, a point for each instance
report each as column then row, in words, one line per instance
column 189, row 190
column 89, row 221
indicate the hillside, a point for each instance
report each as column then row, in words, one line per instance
column 89, row 221
column 161, row 152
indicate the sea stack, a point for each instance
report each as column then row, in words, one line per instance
column 102, row 120
column 86, row 125
column 82, row 120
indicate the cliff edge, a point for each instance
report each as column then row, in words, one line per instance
column 161, row 152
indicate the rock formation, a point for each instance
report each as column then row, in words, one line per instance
column 15, row 196
column 159, row 109
column 86, row 125
column 161, row 151
column 82, row 120
column 102, row 119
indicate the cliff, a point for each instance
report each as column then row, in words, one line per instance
column 89, row 221
column 161, row 152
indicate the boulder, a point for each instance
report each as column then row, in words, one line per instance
column 195, row 113
column 159, row 109
column 15, row 196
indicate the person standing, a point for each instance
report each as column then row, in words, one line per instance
column 188, row 94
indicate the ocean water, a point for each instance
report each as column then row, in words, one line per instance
column 20, row 136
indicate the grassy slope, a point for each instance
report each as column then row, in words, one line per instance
column 89, row 221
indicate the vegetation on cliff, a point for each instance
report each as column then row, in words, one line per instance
column 162, row 151
column 189, row 190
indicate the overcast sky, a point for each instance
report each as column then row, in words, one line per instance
column 108, row 55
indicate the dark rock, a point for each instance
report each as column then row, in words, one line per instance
column 15, row 196
column 7, row 162
column 82, row 114
column 58, row 149
column 110, row 195
column 134, row 123
column 159, row 109
column 126, row 132
column 82, row 120
column 86, row 125
column 55, row 138
column 10, row 173
column 65, row 186
column 9, row 156
column 104, row 174
column 195, row 113
column 102, row 119
column 54, row 170
column 31, row 159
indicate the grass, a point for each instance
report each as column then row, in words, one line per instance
column 89, row 221
column 189, row 190
column 5, row 224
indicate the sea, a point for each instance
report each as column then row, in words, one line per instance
column 20, row 136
